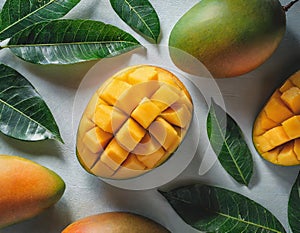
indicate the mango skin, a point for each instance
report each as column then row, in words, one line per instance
column 115, row 222
column 230, row 37
column 27, row 189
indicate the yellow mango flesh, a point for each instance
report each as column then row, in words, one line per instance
column 27, row 189
column 276, row 131
column 133, row 123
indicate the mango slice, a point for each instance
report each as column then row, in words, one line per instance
column 133, row 123
column 276, row 130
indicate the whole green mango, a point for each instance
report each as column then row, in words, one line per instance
column 230, row 37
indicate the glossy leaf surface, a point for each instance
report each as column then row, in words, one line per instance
column 69, row 41
column 23, row 113
column 140, row 15
column 212, row 209
column 226, row 139
column 17, row 15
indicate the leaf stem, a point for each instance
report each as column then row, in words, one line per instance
column 289, row 5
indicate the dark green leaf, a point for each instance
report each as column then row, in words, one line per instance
column 228, row 143
column 212, row 209
column 17, row 15
column 23, row 113
column 69, row 41
column 294, row 207
column 140, row 15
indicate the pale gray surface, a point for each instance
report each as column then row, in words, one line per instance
column 86, row 195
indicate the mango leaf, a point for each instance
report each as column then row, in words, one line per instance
column 139, row 15
column 213, row 209
column 23, row 113
column 227, row 141
column 68, row 41
column 17, row 15
column 294, row 207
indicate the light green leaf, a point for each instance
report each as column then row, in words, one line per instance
column 69, row 41
column 226, row 139
column 294, row 207
column 140, row 15
column 17, row 15
column 213, row 209
column 23, row 113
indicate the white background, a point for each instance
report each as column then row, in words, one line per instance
column 87, row 195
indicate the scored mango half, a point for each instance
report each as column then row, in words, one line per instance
column 133, row 123
column 276, row 132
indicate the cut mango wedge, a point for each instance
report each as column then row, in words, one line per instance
column 276, row 131
column 134, row 122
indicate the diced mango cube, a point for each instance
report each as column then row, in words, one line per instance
column 263, row 123
column 130, row 100
column 133, row 163
column 114, row 155
column 123, row 74
column 295, row 78
column 90, row 108
column 101, row 169
column 287, row 156
column 132, row 167
column 184, row 99
column 109, row 118
column 96, row 139
column 167, row 77
column 292, row 99
column 297, row 148
column 151, row 160
column 130, row 134
column 262, row 144
column 164, row 97
column 271, row 155
column 142, row 74
column 87, row 158
column 177, row 114
column 163, row 159
column 287, row 85
column 114, row 90
column 276, row 136
column 145, row 112
column 292, row 127
column 147, row 145
column 276, row 110
column 164, row 133
column 85, row 125
column 181, row 132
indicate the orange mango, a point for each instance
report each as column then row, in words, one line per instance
column 115, row 222
column 276, row 130
column 27, row 189
column 136, row 121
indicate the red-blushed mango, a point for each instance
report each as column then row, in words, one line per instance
column 133, row 123
column 115, row 222
column 27, row 189
column 230, row 37
column 276, row 131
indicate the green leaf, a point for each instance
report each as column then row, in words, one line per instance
column 139, row 15
column 68, row 41
column 228, row 143
column 17, row 15
column 23, row 113
column 294, row 207
column 212, row 209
